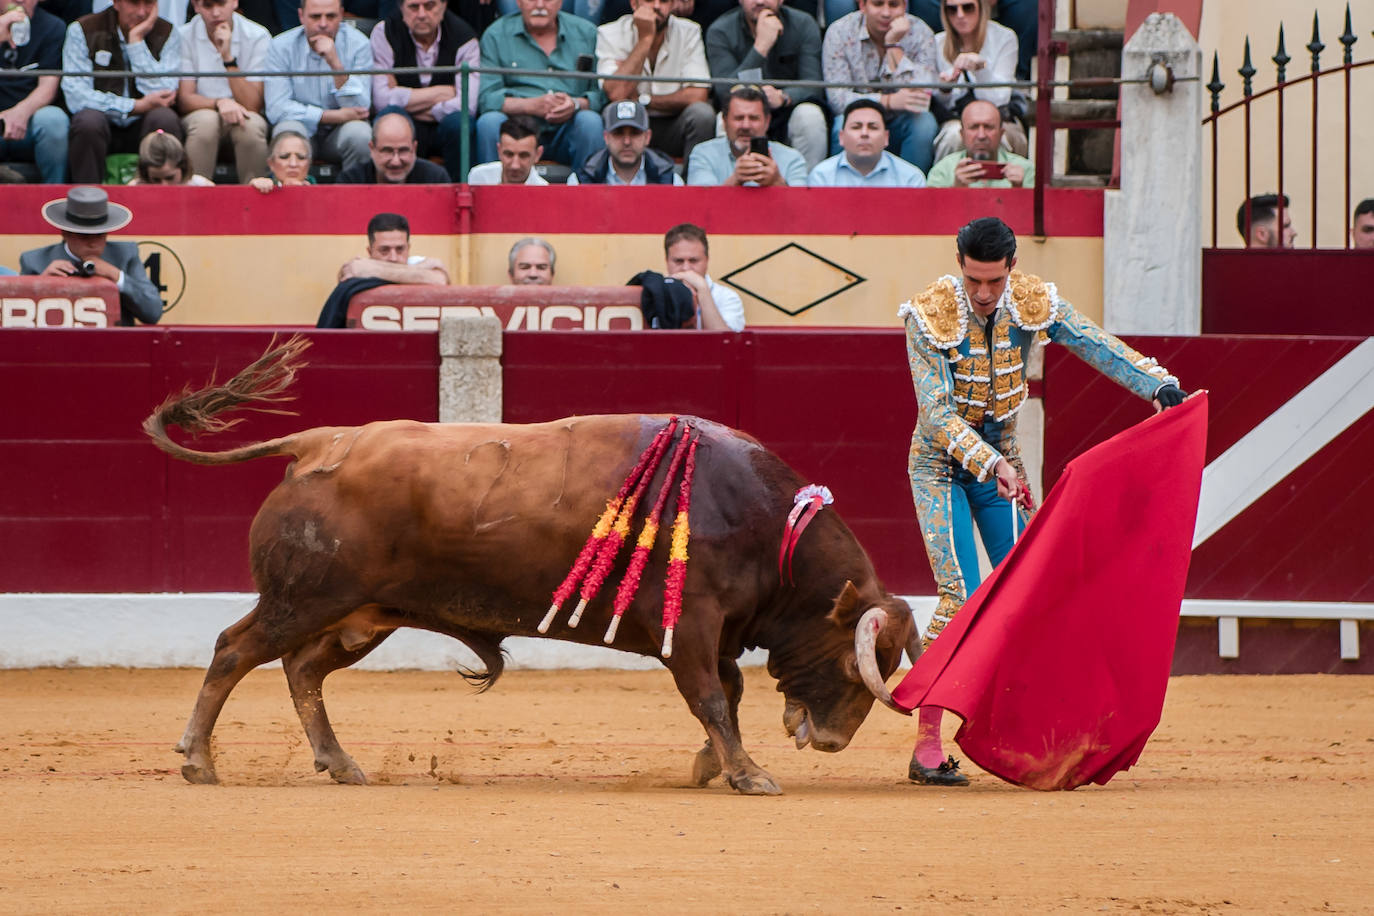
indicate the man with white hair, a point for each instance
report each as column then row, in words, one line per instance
column 531, row 262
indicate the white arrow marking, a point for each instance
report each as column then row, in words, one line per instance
column 1285, row 439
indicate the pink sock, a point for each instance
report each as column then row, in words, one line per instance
column 929, row 752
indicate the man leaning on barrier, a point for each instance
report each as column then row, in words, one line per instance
column 85, row 217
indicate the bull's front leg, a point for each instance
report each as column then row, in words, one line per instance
column 706, row 766
column 700, row 683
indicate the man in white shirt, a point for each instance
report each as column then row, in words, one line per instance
column 517, row 151
column 219, row 109
column 687, row 259
column 652, row 42
column 864, row 161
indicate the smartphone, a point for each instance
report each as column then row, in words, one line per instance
column 759, row 145
column 585, row 63
column 994, row 170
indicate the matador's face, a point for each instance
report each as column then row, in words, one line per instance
column 984, row 281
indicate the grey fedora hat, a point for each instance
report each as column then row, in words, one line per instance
column 87, row 210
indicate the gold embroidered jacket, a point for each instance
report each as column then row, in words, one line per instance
column 965, row 379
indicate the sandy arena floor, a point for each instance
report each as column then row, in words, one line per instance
column 566, row 792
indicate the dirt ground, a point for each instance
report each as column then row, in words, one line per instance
column 567, row 792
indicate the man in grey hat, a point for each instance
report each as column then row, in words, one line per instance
column 85, row 216
column 626, row 158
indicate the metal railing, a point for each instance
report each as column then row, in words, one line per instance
column 1282, row 85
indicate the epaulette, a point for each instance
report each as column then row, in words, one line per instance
column 1031, row 301
column 939, row 314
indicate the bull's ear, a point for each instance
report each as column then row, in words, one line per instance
column 845, row 613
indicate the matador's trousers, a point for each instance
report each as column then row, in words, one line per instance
column 949, row 501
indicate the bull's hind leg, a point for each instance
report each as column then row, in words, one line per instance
column 706, row 765
column 239, row 649
column 306, row 668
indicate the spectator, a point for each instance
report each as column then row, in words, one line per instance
column 85, row 218
column 764, row 40
column 1362, row 230
column 517, row 151
column 880, row 43
column 627, row 158
column 388, row 260
column 425, row 34
column 35, row 128
column 686, row 254
column 114, row 114
column 163, row 160
column 982, row 136
column 288, row 162
column 729, row 160
column 653, row 42
column 1021, row 16
column 864, row 161
column 1264, row 223
column 331, row 108
column 531, row 262
column 973, row 49
column 393, row 159
column 219, row 110
column 566, row 109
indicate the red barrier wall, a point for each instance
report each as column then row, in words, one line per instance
column 1249, row 291
column 1308, row 538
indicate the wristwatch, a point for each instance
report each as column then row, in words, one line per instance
column 231, row 62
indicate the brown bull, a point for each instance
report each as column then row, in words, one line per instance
column 467, row 529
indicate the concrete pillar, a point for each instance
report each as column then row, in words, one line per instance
column 1152, row 234
column 470, row 370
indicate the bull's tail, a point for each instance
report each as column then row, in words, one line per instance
column 261, row 383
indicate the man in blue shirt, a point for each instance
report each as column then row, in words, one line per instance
column 864, row 161
column 567, row 109
column 35, row 129
column 729, row 161
column 331, row 108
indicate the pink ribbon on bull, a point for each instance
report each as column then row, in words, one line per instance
column 809, row 500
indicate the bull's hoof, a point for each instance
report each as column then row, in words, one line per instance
column 759, row 783
column 347, row 774
column 706, row 766
column 199, row 774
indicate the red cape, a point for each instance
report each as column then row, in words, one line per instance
column 1059, row 662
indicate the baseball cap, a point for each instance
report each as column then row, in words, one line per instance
column 621, row 114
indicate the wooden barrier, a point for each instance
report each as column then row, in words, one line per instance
column 58, row 302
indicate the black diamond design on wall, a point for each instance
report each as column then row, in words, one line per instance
column 788, row 278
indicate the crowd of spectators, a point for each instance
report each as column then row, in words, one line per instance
column 393, row 128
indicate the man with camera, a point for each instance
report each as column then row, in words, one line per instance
column 984, row 162
column 85, row 217
column 745, row 156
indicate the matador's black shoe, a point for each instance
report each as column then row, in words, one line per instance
column 946, row 774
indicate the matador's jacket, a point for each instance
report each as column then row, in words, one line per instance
column 970, row 383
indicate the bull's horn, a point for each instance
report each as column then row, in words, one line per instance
column 866, row 653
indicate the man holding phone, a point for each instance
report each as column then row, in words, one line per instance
column 984, row 162
column 745, row 156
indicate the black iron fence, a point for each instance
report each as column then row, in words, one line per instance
column 1315, row 78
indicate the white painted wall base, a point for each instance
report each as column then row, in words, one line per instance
column 179, row 631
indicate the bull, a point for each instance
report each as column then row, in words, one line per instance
column 466, row 530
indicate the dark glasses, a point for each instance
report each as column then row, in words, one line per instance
column 968, row 9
